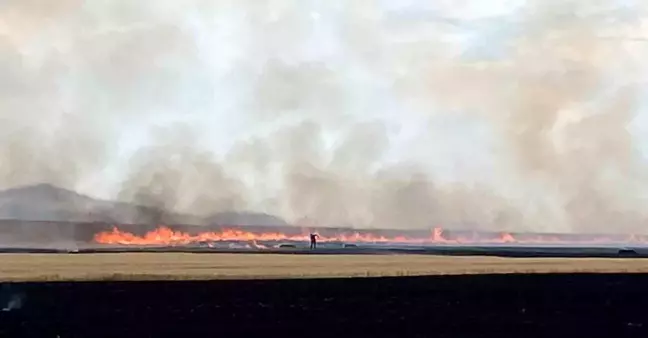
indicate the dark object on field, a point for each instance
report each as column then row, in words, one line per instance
column 290, row 246
column 313, row 241
column 627, row 252
column 349, row 246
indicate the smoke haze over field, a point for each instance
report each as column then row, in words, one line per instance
column 498, row 115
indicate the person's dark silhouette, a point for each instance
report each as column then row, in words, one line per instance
column 313, row 241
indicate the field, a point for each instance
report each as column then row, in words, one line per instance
column 290, row 295
column 187, row 266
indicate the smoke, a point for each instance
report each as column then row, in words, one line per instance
column 511, row 117
column 10, row 298
column 563, row 101
column 172, row 175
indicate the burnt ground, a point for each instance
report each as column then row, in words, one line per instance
column 575, row 305
column 337, row 249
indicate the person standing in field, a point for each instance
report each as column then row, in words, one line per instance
column 313, row 241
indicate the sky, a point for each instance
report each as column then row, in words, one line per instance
column 219, row 41
column 450, row 82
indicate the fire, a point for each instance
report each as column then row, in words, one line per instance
column 166, row 236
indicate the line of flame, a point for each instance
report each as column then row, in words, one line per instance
column 166, row 236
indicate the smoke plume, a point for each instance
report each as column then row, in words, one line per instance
column 513, row 117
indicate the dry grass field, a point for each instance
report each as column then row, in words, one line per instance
column 180, row 266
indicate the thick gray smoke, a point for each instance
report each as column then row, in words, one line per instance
column 498, row 116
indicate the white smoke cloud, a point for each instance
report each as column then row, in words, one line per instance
column 519, row 114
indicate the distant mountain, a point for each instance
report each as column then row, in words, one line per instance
column 46, row 202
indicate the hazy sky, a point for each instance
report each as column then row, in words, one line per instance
column 437, row 73
column 151, row 63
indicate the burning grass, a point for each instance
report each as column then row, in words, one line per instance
column 182, row 266
column 166, row 236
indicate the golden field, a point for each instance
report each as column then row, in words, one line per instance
column 186, row 266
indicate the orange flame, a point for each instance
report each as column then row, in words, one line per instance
column 165, row 236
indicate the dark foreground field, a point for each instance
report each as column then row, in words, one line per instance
column 560, row 305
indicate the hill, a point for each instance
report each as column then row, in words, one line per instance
column 46, row 202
